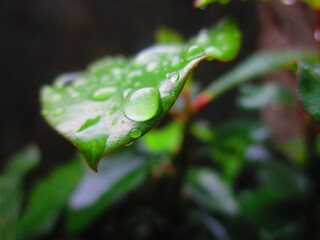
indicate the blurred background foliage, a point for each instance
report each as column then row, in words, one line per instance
column 251, row 159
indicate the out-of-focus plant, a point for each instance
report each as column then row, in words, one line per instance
column 186, row 179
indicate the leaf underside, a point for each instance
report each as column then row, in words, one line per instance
column 117, row 100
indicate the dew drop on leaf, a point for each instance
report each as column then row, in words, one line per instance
column 67, row 79
column 135, row 133
column 194, row 51
column 174, row 76
column 126, row 92
column 56, row 98
column 58, row 112
column 142, row 105
column 129, row 144
column 152, row 66
column 102, row 94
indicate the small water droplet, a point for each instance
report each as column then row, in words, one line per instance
column 126, row 92
column 137, row 84
column 117, row 71
column 73, row 93
column 173, row 77
column 135, row 73
column 114, row 122
column 104, row 78
column 142, row 105
column 103, row 93
column 67, row 79
column 152, row 66
column 175, row 61
column 55, row 98
column 58, row 112
column 194, row 51
column 135, row 133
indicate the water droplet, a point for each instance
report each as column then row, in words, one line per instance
column 114, row 122
column 73, row 93
column 129, row 144
column 103, row 93
column 137, row 84
column 142, row 105
column 126, row 92
column 135, row 133
column 67, row 79
column 152, row 66
column 173, row 77
column 55, row 98
column 194, row 51
column 175, row 61
column 135, row 73
column 58, row 112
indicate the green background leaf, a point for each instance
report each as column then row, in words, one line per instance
column 11, row 190
column 47, row 199
column 309, row 87
column 121, row 174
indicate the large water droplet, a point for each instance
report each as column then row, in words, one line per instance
column 142, row 104
column 194, row 51
column 173, row 77
column 58, row 112
column 135, row 133
column 103, row 93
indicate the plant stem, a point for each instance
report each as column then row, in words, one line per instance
column 256, row 65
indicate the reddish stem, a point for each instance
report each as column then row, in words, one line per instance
column 202, row 100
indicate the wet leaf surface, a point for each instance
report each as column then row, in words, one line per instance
column 117, row 100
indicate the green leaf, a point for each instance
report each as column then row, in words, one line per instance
column 255, row 66
column 207, row 189
column 279, row 199
column 204, row 3
column 11, row 189
column 117, row 100
column 166, row 35
column 165, row 139
column 230, row 146
column 203, row 131
column 309, row 87
column 47, row 200
column 121, row 174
